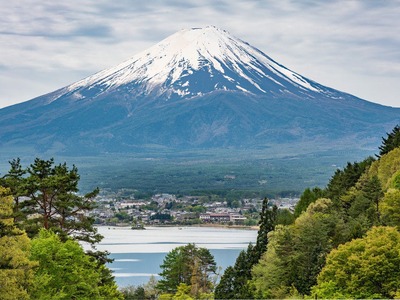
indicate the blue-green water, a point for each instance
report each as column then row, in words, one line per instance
column 136, row 268
column 138, row 254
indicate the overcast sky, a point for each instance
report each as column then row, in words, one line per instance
column 352, row 46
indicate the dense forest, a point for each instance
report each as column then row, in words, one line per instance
column 341, row 241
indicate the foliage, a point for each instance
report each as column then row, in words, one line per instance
column 344, row 179
column 360, row 196
column 65, row 271
column 161, row 217
column 16, row 269
column 361, row 205
column 267, row 223
column 52, row 201
column 391, row 141
column 147, row 291
column 296, row 253
column 390, row 208
column 309, row 196
column 13, row 181
column 189, row 265
column 234, row 281
column 176, row 174
column 133, row 293
column 183, row 292
column 368, row 267
column 284, row 217
column 387, row 168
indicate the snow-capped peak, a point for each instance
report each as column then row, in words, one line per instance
column 197, row 61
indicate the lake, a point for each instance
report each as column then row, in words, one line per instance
column 138, row 254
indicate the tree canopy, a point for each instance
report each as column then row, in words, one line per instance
column 188, row 265
column 65, row 271
column 338, row 247
column 296, row 253
column 368, row 267
column 46, row 196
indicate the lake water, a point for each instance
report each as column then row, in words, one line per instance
column 138, row 254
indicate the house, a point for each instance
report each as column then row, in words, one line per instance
column 215, row 218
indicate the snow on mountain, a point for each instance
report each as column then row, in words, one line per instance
column 193, row 62
column 143, row 104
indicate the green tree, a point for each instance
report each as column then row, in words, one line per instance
column 267, row 224
column 368, row 267
column 65, row 271
column 309, row 196
column 284, row 217
column 391, row 141
column 361, row 205
column 234, row 281
column 14, row 181
column 53, row 202
column 133, row 293
column 387, row 168
column 141, row 292
column 344, row 179
column 16, row 269
column 272, row 275
column 226, row 287
column 190, row 265
column 390, row 208
column 296, row 253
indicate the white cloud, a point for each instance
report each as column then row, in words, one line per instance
column 348, row 45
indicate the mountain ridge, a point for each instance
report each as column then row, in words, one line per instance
column 206, row 89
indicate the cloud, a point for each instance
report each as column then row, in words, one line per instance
column 349, row 45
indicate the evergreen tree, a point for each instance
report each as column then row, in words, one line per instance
column 14, row 181
column 344, row 179
column 234, row 282
column 51, row 200
column 226, row 286
column 267, row 224
column 188, row 265
column 391, row 142
column 309, row 196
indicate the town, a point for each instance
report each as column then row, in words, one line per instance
column 122, row 209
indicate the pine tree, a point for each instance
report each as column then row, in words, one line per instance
column 267, row 224
column 234, row 281
column 187, row 265
column 391, row 142
column 51, row 200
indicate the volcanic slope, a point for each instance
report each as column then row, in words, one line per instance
column 199, row 88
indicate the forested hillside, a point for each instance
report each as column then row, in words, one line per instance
column 343, row 243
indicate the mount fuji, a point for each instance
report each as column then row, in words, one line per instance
column 199, row 88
